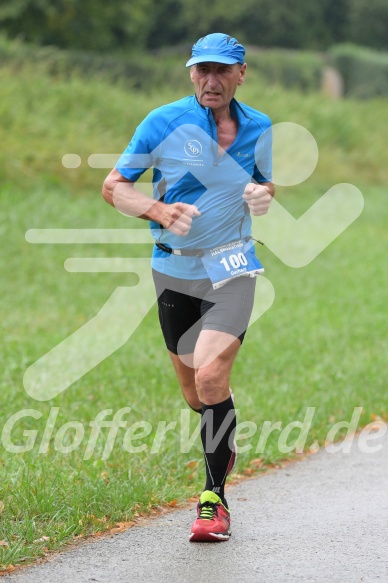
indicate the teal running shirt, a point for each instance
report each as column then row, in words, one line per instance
column 179, row 140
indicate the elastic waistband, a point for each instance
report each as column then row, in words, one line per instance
column 190, row 252
column 183, row 252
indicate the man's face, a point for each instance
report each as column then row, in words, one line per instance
column 215, row 84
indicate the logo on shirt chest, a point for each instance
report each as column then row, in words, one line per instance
column 193, row 148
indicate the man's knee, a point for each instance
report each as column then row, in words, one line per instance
column 212, row 387
column 206, row 377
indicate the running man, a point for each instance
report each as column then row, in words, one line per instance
column 211, row 159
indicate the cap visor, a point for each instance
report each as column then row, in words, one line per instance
column 211, row 59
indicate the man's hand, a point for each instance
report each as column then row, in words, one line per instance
column 177, row 217
column 258, row 197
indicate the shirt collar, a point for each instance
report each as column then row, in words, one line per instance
column 235, row 108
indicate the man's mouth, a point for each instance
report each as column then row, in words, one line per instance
column 212, row 93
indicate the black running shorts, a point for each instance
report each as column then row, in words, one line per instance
column 188, row 306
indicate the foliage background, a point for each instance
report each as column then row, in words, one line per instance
column 127, row 26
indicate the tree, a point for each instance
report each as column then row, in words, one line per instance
column 91, row 24
column 368, row 23
column 130, row 25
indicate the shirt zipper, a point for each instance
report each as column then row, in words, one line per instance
column 213, row 126
column 214, row 145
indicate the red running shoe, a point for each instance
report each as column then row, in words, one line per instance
column 213, row 520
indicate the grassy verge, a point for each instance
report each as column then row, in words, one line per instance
column 321, row 345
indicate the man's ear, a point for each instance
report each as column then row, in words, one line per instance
column 242, row 74
column 191, row 75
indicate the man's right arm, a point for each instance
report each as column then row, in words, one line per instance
column 122, row 194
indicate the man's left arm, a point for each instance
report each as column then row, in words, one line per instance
column 258, row 197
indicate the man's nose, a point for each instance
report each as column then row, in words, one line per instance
column 212, row 80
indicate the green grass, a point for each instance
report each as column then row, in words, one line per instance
column 322, row 344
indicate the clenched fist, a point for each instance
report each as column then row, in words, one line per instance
column 258, row 198
column 177, row 217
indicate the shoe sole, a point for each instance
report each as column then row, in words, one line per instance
column 197, row 537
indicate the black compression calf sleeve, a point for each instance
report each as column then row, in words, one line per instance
column 217, row 433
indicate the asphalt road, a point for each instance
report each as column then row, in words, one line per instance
column 319, row 520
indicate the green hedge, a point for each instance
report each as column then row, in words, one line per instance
column 365, row 72
column 146, row 71
column 290, row 69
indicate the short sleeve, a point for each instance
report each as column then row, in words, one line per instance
column 140, row 152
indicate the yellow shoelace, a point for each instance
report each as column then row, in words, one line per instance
column 207, row 511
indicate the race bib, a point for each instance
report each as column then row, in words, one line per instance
column 232, row 260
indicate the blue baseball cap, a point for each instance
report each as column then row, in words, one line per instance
column 217, row 48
